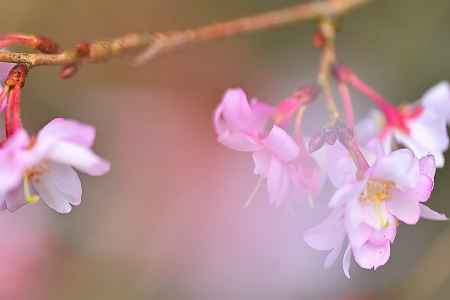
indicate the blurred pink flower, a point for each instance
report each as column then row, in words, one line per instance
column 241, row 126
column 425, row 121
column 43, row 165
column 367, row 211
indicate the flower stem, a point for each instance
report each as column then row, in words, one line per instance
column 347, row 103
column 327, row 61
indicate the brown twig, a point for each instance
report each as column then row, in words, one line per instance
column 156, row 43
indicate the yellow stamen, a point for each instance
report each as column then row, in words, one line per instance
column 31, row 199
column 384, row 222
column 377, row 192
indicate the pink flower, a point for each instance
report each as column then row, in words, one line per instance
column 423, row 125
column 31, row 169
column 367, row 211
column 277, row 158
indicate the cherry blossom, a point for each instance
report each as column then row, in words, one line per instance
column 421, row 126
column 367, row 211
column 241, row 126
column 42, row 167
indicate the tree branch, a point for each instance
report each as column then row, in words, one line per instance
column 156, row 43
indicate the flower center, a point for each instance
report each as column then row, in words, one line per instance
column 32, row 174
column 36, row 171
column 376, row 192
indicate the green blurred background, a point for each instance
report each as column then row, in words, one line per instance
column 145, row 230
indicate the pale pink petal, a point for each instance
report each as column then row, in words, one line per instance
column 15, row 198
column 14, row 161
column 437, row 99
column 420, row 193
column 379, row 237
column 375, row 215
column 346, row 261
column 347, row 193
column 52, row 197
column 400, row 167
column 281, row 144
column 69, row 131
column 358, row 235
column 79, row 157
column 328, row 234
column 369, row 127
column 430, row 130
column 239, row 141
column 371, row 256
column 428, row 213
column 262, row 113
column 404, row 208
column 235, row 112
column 4, row 70
column 387, row 141
column 428, row 166
column 63, row 179
column 262, row 162
column 420, row 149
column 332, row 256
column 278, row 180
column 336, row 160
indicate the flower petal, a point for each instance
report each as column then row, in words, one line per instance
column 262, row 162
column 358, row 235
column 15, row 198
column 428, row 213
column 234, row 113
column 400, row 167
column 71, row 131
column 328, row 234
column 420, row 149
column 347, row 193
column 278, row 180
column 371, row 256
column 79, row 157
column 427, row 166
column 59, row 187
column 403, row 207
column 14, row 160
column 281, row 144
column 332, row 256
column 239, row 141
column 437, row 99
column 346, row 261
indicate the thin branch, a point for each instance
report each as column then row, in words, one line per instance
column 156, row 43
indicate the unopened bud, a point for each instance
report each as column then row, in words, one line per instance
column 68, row 71
column 46, row 45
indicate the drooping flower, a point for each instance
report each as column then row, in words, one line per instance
column 42, row 167
column 367, row 211
column 242, row 126
column 422, row 126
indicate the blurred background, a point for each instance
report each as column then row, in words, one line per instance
column 168, row 221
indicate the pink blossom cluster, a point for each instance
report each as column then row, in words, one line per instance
column 382, row 169
column 40, row 167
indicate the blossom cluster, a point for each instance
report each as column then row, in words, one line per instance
column 34, row 167
column 382, row 169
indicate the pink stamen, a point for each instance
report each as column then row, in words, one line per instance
column 392, row 114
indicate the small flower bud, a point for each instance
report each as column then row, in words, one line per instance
column 68, row 71
column 46, row 45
